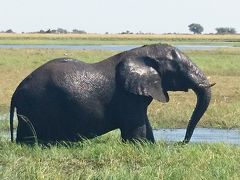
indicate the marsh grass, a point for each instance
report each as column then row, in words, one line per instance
column 220, row 62
column 108, row 158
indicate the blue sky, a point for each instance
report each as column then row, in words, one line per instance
column 114, row 16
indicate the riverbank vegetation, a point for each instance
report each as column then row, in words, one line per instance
column 136, row 39
column 106, row 157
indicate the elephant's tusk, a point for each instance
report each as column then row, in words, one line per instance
column 207, row 86
column 212, row 84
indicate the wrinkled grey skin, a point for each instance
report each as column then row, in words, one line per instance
column 67, row 100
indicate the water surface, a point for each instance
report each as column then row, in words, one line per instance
column 200, row 135
column 107, row 47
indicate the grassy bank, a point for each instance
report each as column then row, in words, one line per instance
column 78, row 39
column 222, row 66
column 108, row 158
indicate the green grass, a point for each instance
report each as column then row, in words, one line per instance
column 108, row 158
column 224, row 62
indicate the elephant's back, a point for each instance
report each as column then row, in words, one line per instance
column 64, row 64
column 67, row 79
column 42, row 78
column 83, row 82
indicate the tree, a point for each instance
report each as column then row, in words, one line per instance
column 42, row 31
column 61, row 31
column 126, row 32
column 9, row 31
column 226, row 30
column 77, row 31
column 195, row 28
column 48, row 31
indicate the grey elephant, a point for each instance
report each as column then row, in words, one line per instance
column 69, row 100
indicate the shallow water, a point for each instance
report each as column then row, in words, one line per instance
column 200, row 135
column 108, row 47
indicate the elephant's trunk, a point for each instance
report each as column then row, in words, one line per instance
column 203, row 98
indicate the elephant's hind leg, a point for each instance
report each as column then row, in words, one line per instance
column 25, row 133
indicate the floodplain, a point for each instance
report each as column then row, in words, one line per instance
column 106, row 157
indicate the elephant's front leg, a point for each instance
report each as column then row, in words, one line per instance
column 149, row 131
column 133, row 131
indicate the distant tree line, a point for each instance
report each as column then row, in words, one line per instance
column 226, row 30
column 8, row 31
column 52, row 31
column 194, row 28
column 126, row 32
column 198, row 29
column 62, row 31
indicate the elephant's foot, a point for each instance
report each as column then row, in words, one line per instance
column 138, row 134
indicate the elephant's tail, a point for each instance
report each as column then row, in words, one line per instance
column 12, row 108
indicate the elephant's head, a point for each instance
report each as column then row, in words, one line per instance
column 155, row 69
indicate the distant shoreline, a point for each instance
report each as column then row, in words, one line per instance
column 119, row 39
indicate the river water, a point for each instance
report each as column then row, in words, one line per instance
column 108, row 47
column 200, row 135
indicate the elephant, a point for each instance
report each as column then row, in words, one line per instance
column 69, row 100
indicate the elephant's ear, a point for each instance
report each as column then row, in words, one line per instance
column 137, row 77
